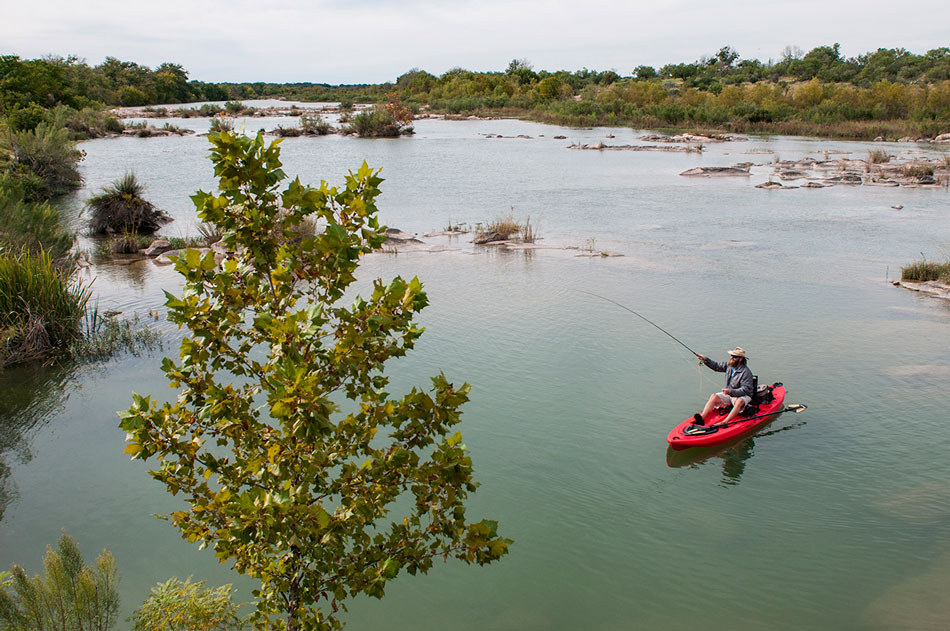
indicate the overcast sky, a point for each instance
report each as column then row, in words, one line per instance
column 371, row 41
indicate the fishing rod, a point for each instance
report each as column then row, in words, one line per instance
column 648, row 321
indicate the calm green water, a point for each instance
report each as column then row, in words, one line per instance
column 838, row 518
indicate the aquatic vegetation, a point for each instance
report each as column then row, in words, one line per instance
column 41, row 307
column 878, row 156
column 33, row 226
column 106, row 336
column 925, row 270
column 120, row 208
column 70, row 596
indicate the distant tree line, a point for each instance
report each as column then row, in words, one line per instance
column 818, row 92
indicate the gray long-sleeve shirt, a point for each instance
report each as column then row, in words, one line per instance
column 739, row 382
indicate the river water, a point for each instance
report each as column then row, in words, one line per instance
column 837, row 518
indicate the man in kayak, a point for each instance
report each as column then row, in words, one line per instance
column 738, row 390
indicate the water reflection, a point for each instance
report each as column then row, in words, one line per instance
column 31, row 396
column 735, row 454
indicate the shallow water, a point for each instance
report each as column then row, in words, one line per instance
column 829, row 519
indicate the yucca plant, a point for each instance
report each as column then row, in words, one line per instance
column 41, row 306
column 121, row 208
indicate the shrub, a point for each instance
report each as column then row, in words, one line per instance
column 287, row 132
column 121, row 208
column 315, row 124
column 44, row 159
column 377, row 123
column 41, row 307
column 185, row 606
column 70, row 597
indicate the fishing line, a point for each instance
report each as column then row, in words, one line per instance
column 699, row 372
column 647, row 320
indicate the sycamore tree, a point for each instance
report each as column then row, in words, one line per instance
column 296, row 465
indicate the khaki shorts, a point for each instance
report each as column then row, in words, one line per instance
column 728, row 400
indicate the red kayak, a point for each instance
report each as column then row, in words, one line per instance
column 688, row 434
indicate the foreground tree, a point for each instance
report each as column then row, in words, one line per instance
column 287, row 448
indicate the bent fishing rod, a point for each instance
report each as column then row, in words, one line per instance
column 648, row 321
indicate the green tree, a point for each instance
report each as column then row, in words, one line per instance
column 70, row 597
column 295, row 462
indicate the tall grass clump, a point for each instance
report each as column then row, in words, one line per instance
column 878, row 156
column 32, row 226
column 120, row 208
column 220, row 124
column 41, row 307
column 919, row 169
column 924, row 270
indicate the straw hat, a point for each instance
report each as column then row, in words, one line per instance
column 737, row 352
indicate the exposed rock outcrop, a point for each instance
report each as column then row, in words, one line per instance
column 602, row 147
column 716, row 172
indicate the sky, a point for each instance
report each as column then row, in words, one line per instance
column 374, row 41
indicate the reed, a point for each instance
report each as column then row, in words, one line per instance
column 878, row 156
column 41, row 307
column 924, row 270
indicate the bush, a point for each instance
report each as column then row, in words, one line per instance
column 121, row 208
column 70, row 597
column 185, row 606
column 41, row 307
column 377, row 123
column 45, row 160
column 315, row 124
